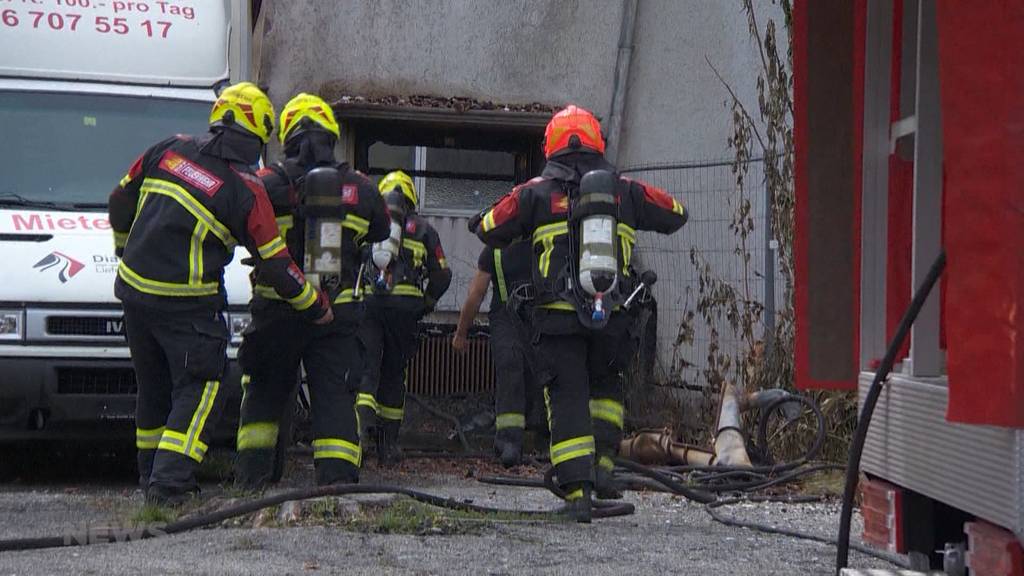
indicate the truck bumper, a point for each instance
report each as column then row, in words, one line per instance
column 78, row 398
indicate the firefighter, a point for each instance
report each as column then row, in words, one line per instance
column 409, row 274
column 581, row 219
column 505, row 271
column 310, row 191
column 177, row 215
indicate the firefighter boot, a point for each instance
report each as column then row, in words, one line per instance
column 388, row 452
column 367, row 427
column 578, row 502
column 606, row 485
column 508, row 444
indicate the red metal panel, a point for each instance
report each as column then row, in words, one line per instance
column 828, row 55
column 981, row 52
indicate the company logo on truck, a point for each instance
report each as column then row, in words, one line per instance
column 66, row 266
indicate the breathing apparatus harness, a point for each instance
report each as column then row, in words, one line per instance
column 384, row 255
column 590, row 279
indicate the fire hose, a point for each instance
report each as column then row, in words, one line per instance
column 601, row 510
column 871, row 400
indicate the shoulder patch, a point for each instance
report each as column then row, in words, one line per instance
column 559, row 203
column 190, row 172
column 410, row 226
column 350, row 194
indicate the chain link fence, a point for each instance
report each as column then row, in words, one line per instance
column 711, row 194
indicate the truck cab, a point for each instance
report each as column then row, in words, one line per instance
column 85, row 87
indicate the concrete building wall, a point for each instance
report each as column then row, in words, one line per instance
column 508, row 51
column 548, row 51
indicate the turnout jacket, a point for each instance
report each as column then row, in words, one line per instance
column 177, row 216
column 420, row 273
column 538, row 213
column 364, row 219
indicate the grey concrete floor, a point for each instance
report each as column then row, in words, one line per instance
column 666, row 535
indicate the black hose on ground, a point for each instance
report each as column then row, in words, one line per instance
column 601, row 510
column 871, row 399
column 766, row 529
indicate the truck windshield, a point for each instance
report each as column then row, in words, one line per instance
column 72, row 149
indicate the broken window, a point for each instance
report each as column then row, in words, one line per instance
column 448, row 179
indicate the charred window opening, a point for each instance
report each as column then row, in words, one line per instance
column 461, row 162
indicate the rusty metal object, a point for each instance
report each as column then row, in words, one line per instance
column 656, row 448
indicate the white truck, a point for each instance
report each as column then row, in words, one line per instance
column 85, row 87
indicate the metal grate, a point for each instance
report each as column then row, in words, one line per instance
column 99, row 381
column 438, row 370
column 84, row 326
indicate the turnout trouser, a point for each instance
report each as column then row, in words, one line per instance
column 584, row 396
column 390, row 337
column 516, row 381
column 179, row 359
column 272, row 349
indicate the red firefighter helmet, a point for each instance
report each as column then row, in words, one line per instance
column 573, row 121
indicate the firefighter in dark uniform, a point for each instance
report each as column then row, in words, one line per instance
column 409, row 274
column 506, row 272
column 177, row 216
column 278, row 340
column 581, row 219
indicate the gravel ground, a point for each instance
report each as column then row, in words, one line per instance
column 667, row 534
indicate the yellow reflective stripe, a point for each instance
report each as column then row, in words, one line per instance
column 608, row 410
column 305, row 299
column 357, row 224
column 572, row 448
column 172, row 441
column 195, row 254
column 677, row 207
column 553, row 229
column 559, row 305
column 510, row 420
column 120, row 239
column 284, row 224
column 244, row 382
column 264, row 291
column 364, row 399
column 195, row 427
column 390, row 413
column 419, row 251
column 190, row 203
column 627, row 238
column 407, row 290
column 159, row 288
column 347, row 296
column 148, row 438
column 499, row 271
column 271, row 248
column 574, row 495
column 125, row 181
column 337, row 448
column 606, row 463
column 488, row 221
column 546, row 235
column 257, row 435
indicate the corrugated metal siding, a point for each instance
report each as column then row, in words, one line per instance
column 461, row 249
column 973, row 468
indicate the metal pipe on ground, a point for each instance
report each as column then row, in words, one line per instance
column 730, row 447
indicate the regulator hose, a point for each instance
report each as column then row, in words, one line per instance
column 601, row 510
column 870, row 400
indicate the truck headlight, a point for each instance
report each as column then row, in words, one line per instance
column 12, row 324
column 237, row 323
